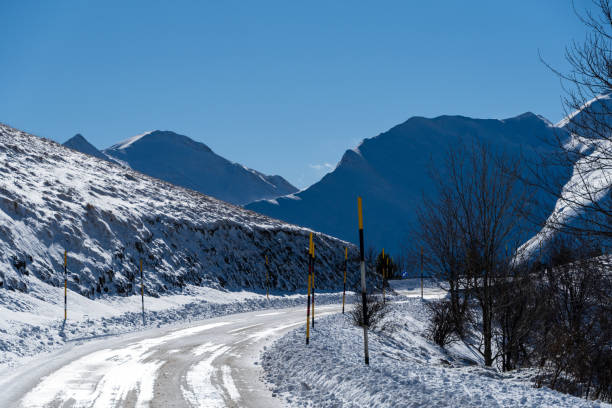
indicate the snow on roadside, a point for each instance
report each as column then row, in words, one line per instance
column 32, row 323
column 406, row 369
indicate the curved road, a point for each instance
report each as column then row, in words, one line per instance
column 212, row 363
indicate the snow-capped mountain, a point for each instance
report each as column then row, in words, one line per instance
column 182, row 161
column 590, row 179
column 391, row 171
column 109, row 218
column 79, row 143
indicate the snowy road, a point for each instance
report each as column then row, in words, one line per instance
column 210, row 364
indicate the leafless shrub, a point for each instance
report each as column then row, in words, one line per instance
column 442, row 325
column 574, row 344
column 376, row 310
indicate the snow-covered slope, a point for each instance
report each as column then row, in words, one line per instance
column 182, row 161
column 591, row 177
column 406, row 369
column 391, row 171
column 108, row 218
column 79, row 143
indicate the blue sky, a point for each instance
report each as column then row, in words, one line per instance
column 281, row 86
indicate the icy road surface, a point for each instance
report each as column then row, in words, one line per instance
column 211, row 364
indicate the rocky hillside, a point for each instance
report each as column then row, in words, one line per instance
column 109, row 218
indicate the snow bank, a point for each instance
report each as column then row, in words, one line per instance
column 406, row 370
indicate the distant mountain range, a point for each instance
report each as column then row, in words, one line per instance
column 391, row 172
column 182, row 161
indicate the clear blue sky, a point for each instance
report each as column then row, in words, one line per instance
column 284, row 87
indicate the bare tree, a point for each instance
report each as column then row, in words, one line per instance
column 572, row 344
column 469, row 230
column 584, row 152
column 441, row 250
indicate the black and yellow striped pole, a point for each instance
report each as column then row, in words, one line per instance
column 142, row 293
column 344, row 289
column 309, row 284
column 267, row 279
column 65, row 285
column 312, row 254
column 363, row 284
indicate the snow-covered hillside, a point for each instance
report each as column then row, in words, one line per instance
column 406, row 369
column 109, row 218
column 590, row 181
column 184, row 162
column 391, row 171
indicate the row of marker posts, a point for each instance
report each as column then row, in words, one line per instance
column 311, row 258
column 311, row 284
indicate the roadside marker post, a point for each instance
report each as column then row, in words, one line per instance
column 65, row 285
column 344, row 289
column 142, row 293
column 267, row 280
column 312, row 254
column 309, row 283
column 363, row 284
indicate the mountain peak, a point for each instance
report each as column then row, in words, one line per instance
column 79, row 143
column 529, row 117
column 180, row 160
column 160, row 137
column 78, row 137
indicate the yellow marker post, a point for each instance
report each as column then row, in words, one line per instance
column 65, row 285
column 267, row 280
column 142, row 293
column 344, row 289
column 309, row 283
column 312, row 254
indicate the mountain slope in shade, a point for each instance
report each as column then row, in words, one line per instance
column 109, row 218
column 391, row 171
column 182, row 161
column 79, row 143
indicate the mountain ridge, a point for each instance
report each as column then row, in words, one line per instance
column 390, row 171
column 183, row 161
